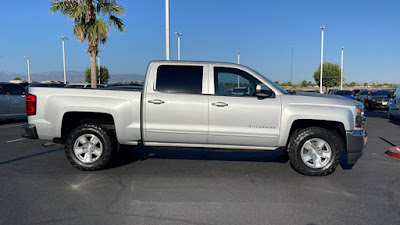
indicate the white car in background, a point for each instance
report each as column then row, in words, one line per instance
column 394, row 104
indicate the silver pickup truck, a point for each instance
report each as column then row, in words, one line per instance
column 205, row 105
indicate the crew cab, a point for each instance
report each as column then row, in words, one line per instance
column 205, row 105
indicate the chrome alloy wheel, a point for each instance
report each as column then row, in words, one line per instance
column 316, row 153
column 88, row 148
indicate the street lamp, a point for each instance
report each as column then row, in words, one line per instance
column 322, row 57
column 98, row 66
column 179, row 44
column 291, row 66
column 238, row 55
column 341, row 71
column 63, row 48
column 167, row 29
column 29, row 75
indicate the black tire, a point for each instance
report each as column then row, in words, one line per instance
column 107, row 139
column 389, row 116
column 299, row 138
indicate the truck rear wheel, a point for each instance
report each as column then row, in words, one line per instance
column 315, row 151
column 90, row 147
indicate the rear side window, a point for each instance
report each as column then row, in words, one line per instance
column 14, row 89
column 180, row 79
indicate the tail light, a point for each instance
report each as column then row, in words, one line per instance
column 30, row 101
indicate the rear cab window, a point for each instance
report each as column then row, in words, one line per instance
column 179, row 79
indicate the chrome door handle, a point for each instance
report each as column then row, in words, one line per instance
column 156, row 101
column 219, row 104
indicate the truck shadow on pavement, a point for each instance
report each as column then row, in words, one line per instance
column 129, row 155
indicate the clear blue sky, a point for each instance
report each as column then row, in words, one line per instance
column 213, row 30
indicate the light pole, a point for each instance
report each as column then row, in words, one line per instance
column 63, row 48
column 179, row 44
column 291, row 67
column 238, row 55
column 29, row 74
column 98, row 61
column 341, row 71
column 322, row 57
column 167, row 29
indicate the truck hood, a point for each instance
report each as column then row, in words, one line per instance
column 319, row 99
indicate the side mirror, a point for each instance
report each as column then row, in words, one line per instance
column 263, row 91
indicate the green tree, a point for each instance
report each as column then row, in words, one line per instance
column 309, row 84
column 89, row 23
column 17, row 78
column 104, row 75
column 304, row 83
column 330, row 74
column 277, row 82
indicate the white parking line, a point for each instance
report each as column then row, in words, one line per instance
column 19, row 139
column 16, row 125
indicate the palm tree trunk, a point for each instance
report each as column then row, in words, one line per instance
column 93, row 53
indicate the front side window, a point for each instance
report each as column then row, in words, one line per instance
column 14, row 89
column 2, row 90
column 234, row 82
column 180, row 79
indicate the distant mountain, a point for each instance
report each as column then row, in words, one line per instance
column 72, row 76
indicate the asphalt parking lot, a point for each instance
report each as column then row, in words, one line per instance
column 161, row 186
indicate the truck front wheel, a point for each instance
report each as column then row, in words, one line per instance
column 315, row 151
column 89, row 147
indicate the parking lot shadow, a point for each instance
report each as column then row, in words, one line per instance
column 131, row 154
column 30, row 156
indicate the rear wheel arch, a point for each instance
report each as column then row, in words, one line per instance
column 72, row 120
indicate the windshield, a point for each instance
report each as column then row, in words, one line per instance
column 344, row 93
column 380, row 93
column 274, row 84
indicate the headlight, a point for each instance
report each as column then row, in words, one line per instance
column 360, row 117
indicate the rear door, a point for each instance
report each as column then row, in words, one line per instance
column 16, row 99
column 175, row 104
column 237, row 116
column 3, row 102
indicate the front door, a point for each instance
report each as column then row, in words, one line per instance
column 175, row 108
column 237, row 116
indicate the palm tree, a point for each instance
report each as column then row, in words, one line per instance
column 89, row 25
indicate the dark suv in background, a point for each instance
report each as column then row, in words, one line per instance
column 377, row 99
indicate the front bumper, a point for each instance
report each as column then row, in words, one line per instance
column 356, row 142
column 30, row 131
column 380, row 104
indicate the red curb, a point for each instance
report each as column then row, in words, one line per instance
column 394, row 152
